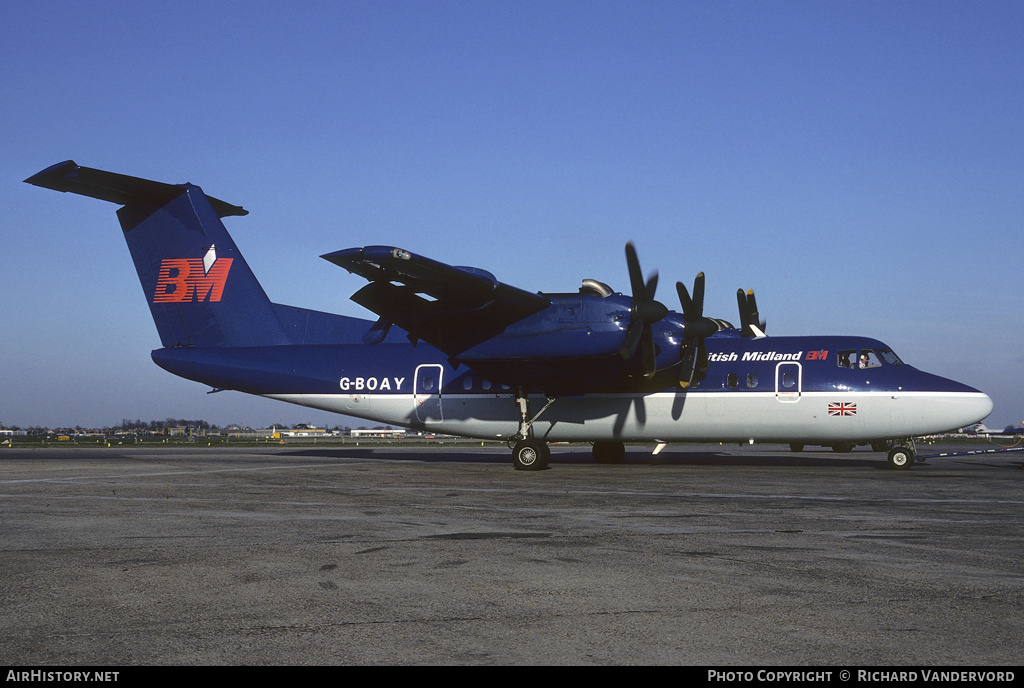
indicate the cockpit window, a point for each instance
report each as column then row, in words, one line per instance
column 866, row 358
column 890, row 357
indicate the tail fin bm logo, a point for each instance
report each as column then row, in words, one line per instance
column 192, row 279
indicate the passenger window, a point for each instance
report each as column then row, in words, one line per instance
column 788, row 380
column 428, row 383
column 467, row 383
column 732, row 380
column 752, row 380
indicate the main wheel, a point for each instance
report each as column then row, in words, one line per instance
column 609, row 452
column 842, row 447
column 900, row 458
column 530, row 455
column 796, row 447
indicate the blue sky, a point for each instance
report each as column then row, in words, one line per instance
column 858, row 164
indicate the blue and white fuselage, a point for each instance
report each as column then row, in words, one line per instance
column 772, row 389
column 455, row 351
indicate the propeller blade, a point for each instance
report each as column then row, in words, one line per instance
column 741, row 301
column 644, row 311
column 631, row 341
column 685, row 301
column 651, row 287
column 687, row 370
column 702, row 358
column 694, row 353
column 697, row 326
column 649, row 355
column 636, row 277
column 751, row 324
column 752, row 302
column 698, row 294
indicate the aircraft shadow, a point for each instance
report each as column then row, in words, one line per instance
column 498, row 455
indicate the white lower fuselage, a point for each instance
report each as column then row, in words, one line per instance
column 736, row 416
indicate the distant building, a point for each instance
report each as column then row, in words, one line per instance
column 301, row 430
column 388, row 433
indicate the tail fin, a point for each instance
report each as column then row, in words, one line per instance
column 199, row 288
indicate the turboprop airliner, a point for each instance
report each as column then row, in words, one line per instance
column 453, row 350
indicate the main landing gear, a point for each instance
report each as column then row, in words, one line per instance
column 529, row 453
column 533, row 455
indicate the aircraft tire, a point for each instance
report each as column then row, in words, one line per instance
column 609, row 452
column 842, row 447
column 796, row 447
column 900, row 458
column 530, row 455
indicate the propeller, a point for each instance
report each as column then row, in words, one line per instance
column 644, row 311
column 751, row 324
column 693, row 351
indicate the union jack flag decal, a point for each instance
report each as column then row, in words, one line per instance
column 842, row 408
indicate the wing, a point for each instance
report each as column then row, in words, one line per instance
column 451, row 308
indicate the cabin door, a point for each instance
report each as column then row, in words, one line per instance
column 788, row 382
column 426, row 392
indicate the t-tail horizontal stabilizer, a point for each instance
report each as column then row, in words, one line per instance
column 67, row 177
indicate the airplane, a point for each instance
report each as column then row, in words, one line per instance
column 455, row 351
column 980, row 429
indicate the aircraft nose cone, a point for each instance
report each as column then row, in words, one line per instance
column 981, row 407
column 937, row 404
column 975, row 404
column 968, row 408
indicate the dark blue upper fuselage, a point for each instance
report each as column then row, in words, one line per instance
column 736, row 364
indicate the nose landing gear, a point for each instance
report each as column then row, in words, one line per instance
column 901, row 458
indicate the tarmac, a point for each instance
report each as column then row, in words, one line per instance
column 701, row 555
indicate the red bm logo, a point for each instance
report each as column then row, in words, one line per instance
column 182, row 280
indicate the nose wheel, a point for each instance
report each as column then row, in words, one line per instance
column 901, row 458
